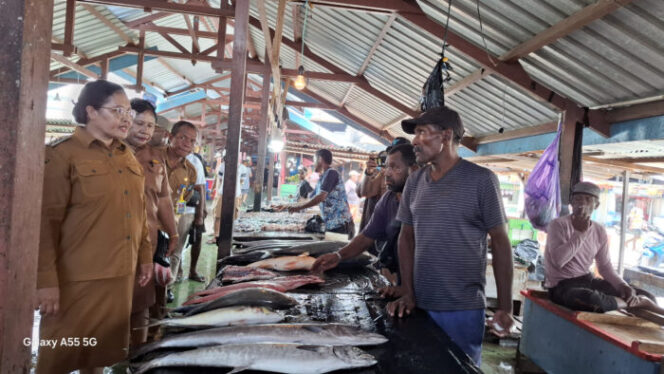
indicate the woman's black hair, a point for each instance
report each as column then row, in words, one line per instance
column 94, row 94
column 140, row 106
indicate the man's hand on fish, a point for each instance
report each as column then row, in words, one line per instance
column 392, row 292
column 326, row 262
column 627, row 293
column 501, row 323
column 402, row 306
column 145, row 274
column 48, row 301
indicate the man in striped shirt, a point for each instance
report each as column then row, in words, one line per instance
column 447, row 209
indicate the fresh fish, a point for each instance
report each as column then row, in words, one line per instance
column 286, row 263
column 245, row 258
column 278, row 358
column 234, row 273
column 300, row 333
column 248, row 297
column 281, row 284
column 217, row 292
column 314, row 249
column 361, row 260
column 237, row 315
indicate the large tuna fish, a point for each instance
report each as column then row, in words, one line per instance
column 237, row 315
column 277, row 358
column 248, row 297
column 299, row 333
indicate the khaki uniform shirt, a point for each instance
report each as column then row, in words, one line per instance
column 181, row 175
column 156, row 184
column 93, row 212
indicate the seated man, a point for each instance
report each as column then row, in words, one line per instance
column 573, row 242
column 383, row 226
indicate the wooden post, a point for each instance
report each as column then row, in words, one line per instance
column 70, row 18
column 221, row 36
column 141, row 55
column 235, row 110
column 623, row 222
column 262, row 137
column 104, row 69
column 565, row 154
column 270, row 177
column 282, row 172
column 25, row 72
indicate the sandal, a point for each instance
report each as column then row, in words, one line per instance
column 196, row 278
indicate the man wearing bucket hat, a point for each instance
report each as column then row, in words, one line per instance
column 573, row 243
column 447, row 209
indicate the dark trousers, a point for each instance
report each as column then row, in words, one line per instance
column 585, row 293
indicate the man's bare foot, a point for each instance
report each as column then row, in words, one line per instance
column 196, row 277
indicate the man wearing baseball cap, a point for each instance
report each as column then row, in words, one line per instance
column 573, row 243
column 447, row 209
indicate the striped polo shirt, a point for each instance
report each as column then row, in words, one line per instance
column 451, row 218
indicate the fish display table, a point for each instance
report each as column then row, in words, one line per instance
column 562, row 341
column 416, row 344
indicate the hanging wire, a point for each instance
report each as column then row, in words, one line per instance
column 486, row 49
column 304, row 28
column 502, row 128
column 446, row 67
column 447, row 24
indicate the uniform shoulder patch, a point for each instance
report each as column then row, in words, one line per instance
column 59, row 141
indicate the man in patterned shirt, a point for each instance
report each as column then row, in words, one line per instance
column 330, row 193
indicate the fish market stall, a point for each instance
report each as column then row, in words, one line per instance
column 273, row 225
column 560, row 340
column 268, row 313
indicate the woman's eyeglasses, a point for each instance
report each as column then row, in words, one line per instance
column 121, row 112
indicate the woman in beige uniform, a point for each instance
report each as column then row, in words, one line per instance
column 93, row 237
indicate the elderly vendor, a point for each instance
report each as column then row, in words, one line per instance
column 573, row 243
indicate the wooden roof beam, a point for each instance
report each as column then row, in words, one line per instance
column 193, row 29
column 362, row 83
column 169, row 7
column 147, row 19
column 74, row 66
column 88, row 61
column 174, row 42
column 151, row 27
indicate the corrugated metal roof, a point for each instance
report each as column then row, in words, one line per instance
column 91, row 36
column 613, row 59
column 619, row 57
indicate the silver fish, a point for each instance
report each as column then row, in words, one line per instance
column 278, row 358
column 247, row 297
column 298, row 333
column 314, row 249
column 237, row 315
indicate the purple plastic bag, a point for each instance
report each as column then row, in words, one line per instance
column 543, row 188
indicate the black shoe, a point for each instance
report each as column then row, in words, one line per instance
column 169, row 296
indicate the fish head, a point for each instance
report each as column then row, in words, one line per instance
column 357, row 336
column 354, row 356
